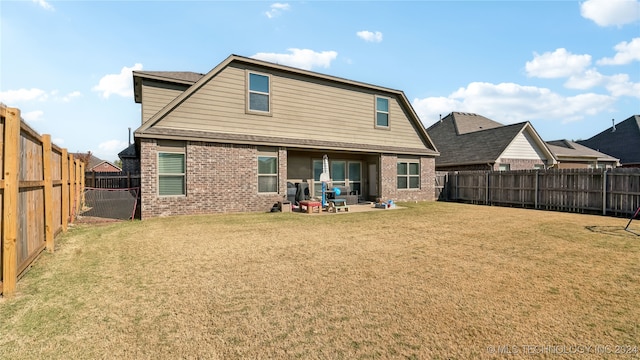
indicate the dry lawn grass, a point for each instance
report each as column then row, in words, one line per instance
column 433, row 281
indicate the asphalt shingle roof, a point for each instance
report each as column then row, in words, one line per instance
column 464, row 138
column 570, row 148
column 187, row 76
column 623, row 143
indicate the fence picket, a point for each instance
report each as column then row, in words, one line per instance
column 608, row 192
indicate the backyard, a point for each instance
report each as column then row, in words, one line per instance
column 429, row 281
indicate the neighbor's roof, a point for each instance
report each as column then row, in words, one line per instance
column 465, row 138
column 466, row 123
column 129, row 152
column 93, row 161
column 623, row 142
column 144, row 128
column 569, row 149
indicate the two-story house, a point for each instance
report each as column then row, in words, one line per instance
column 235, row 138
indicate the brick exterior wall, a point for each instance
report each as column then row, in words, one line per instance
column 519, row 164
column 388, row 180
column 220, row 178
column 105, row 167
column 223, row 178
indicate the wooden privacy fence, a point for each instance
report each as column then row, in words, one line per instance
column 40, row 191
column 112, row 180
column 606, row 191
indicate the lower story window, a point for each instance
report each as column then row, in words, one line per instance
column 267, row 174
column 171, row 174
column 408, row 175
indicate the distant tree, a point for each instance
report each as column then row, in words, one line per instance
column 118, row 163
column 84, row 157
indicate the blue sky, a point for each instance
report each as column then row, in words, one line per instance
column 569, row 67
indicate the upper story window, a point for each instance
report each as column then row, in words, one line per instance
column 259, row 93
column 382, row 112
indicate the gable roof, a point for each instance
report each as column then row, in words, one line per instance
column 146, row 129
column 569, row 149
column 92, row 161
column 180, row 77
column 467, row 123
column 621, row 141
column 465, row 139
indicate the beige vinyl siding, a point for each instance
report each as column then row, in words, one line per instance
column 523, row 147
column 156, row 95
column 315, row 110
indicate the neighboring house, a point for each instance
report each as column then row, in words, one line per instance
column 621, row 141
column 130, row 159
column 473, row 142
column 571, row 155
column 94, row 164
column 236, row 138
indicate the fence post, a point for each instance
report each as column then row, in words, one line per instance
column 82, row 184
column 79, row 187
column 72, row 188
column 604, row 192
column 446, row 187
column 486, row 192
column 535, row 190
column 65, row 189
column 48, row 192
column 10, row 201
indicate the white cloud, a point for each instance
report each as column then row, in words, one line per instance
column 112, row 145
column 33, row 116
column 370, row 36
column 627, row 52
column 430, row 109
column 617, row 85
column 70, row 96
column 21, row 95
column 57, row 141
column 300, row 58
column 109, row 150
column 118, row 84
column 586, row 80
column 510, row 103
column 43, row 4
column 620, row 85
column 611, row 12
column 276, row 9
column 557, row 64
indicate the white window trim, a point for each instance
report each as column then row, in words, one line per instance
column 409, row 176
column 184, row 175
column 376, row 111
column 249, row 92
